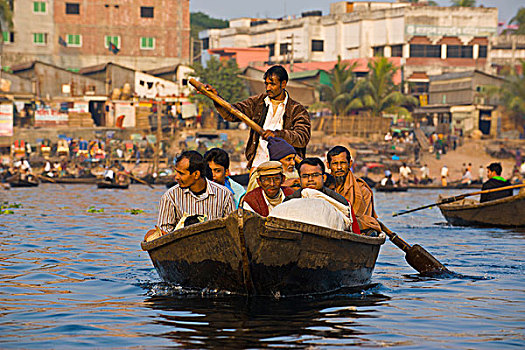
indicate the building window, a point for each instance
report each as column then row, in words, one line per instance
column 112, row 39
column 39, row 7
column 379, row 51
column 40, row 38
column 74, row 40
column 458, row 51
column 146, row 12
column 8, row 37
column 72, row 8
column 317, row 45
column 205, row 43
column 272, row 50
column 425, row 51
column 147, row 43
column 482, row 51
column 283, row 49
column 397, row 50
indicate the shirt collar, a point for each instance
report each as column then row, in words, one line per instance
column 210, row 190
column 267, row 99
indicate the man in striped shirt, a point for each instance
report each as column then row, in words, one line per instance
column 193, row 194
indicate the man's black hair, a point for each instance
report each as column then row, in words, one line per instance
column 338, row 150
column 496, row 167
column 279, row 71
column 313, row 161
column 218, row 156
column 196, row 161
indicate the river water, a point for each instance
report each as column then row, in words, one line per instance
column 76, row 278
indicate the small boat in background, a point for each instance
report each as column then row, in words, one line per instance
column 247, row 254
column 388, row 188
column 504, row 212
column 107, row 184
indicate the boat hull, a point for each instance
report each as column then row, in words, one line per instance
column 391, row 188
column 247, row 254
column 504, row 212
column 105, row 185
column 23, row 184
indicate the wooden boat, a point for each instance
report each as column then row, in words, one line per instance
column 504, row 212
column 247, row 254
column 107, row 184
column 387, row 188
column 24, row 183
column 71, row 180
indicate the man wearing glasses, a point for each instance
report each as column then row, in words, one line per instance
column 270, row 192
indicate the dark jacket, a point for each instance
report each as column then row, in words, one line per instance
column 296, row 123
column 494, row 183
column 325, row 190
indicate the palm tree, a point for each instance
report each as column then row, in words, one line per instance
column 6, row 16
column 512, row 94
column 519, row 19
column 342, row 94
column 382, row 95
column 463, row 3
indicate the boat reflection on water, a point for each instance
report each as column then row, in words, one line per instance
column 240, row 322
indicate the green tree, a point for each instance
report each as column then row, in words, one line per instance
column 6, row 22
column 342, row 94
column 223, row 76
column 512, row 94
column 200, row 21
column 519, row 19
column 382, row 95
column 463, row 3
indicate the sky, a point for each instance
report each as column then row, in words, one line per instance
column 228, row 9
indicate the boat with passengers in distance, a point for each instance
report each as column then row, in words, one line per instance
column 108, row 184
column 247, row 254
column 504, row 212
column 390, row 188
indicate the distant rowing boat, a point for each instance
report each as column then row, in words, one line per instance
column 107, row 184
column 380, row 188
column 248, row 254
column 504, row 212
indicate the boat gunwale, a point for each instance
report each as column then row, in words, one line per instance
column 271, row 224
column 458, row 207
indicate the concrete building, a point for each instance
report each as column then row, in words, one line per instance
column 458, row 104
column 142, row 34
column 429, row 40
column 507, row 51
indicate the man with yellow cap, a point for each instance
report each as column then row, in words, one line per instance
column 270, row 192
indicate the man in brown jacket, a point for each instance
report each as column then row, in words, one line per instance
column 276, row 113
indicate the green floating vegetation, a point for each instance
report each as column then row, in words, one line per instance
column 7, row 205
column 92, row 209
column 134, row 211
column 6, row 212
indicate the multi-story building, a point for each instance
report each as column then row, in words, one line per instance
column 429, row 40
column 141, row 34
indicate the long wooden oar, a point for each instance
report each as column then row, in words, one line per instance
column 49, row 179
column 458, row 197
column 415, row 255
column 139, row 180
column 223, row 103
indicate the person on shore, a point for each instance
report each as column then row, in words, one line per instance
column 444, row 175
column 193, row 194
column 277, row 113
column 404, row 173
column 494, row 181
column 466, row 179
column 425, row 175
column 481, row 173
column 219, row 163
column 355, row 190
column 270, row 192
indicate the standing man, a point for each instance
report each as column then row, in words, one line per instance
column 276, row 113
column 193, row 194
column 219, row 163
column 444, row 175
column 354, row 189
column 404, row 173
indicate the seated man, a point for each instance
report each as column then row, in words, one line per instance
column 270, row 192
column 285, row 153
column 388, row 180
column 193, row 194
column 219, row 163
column 494, row 181
column 354, row 189
column 312, row 175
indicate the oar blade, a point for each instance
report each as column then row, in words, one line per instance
column 423, row 261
